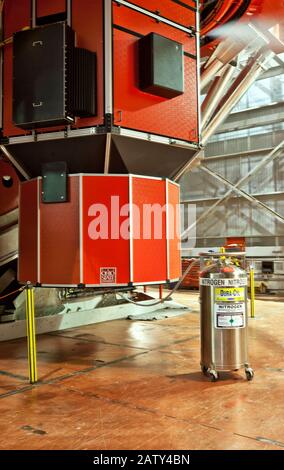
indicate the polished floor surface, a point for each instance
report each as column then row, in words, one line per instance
column 138, row 385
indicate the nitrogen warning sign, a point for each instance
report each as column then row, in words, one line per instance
column 239, row 282
column 230, row 315
column 229, row 294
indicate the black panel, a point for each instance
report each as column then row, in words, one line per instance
column 149, row 158
column 55, row 18
column 53, row 80
column 81, row 154
column 42, row 61
column 87, row 155
column 161, row 66
column 54, row 182
column 85, row 83
column 116, row 163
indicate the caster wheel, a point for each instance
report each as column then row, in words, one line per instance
column 249, row 374
column 204, row 370
column 214, row 376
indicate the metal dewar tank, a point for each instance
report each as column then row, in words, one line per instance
column 224, row 317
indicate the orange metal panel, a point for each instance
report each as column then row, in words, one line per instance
column 86, row 240
column 105, row 253
column 12, row 23
column 174, row 229
column 149, row 255
column 8, row 194
column 28, row 221
column 87, row 22
column 50, row 7
column 142, row 24
column 60, row 239
column 180, row 12
column 134, row 109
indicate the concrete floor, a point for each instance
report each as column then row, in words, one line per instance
column 138, row 385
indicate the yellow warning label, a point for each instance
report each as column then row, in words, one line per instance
column 229, row 294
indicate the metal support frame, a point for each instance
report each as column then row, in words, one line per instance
column 33, row 13
column 223, row 55
column 270, row 157
column 69, row 12
column 250, row 73
column 155, row 16
column 216, row 92
column 31, row 335
column 81, row 228
column 242, row 193
column 209, row 199
column 198, row 54
column 195, row 161
column 167, row 229
column 239, row 87
column 38, row 230
column 242, row 154
column 107, row 153
column 231, row 47
column 211, row 71
column 131, row 267
column 252, row 293
column 108, row 57
column 68, row 8
column 250, row 118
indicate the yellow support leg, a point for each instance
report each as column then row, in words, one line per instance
column 31, row 336
column 252, row 293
